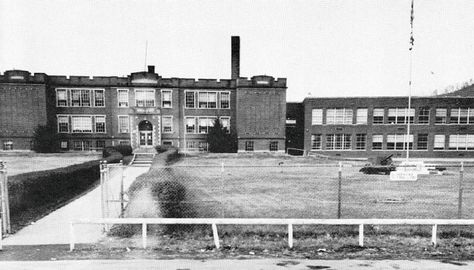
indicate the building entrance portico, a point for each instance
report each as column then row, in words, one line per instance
column 145, row 129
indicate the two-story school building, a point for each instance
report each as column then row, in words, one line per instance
column 440, row 126
column 143, row 109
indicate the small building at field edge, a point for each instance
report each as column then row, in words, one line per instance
column 143, row 109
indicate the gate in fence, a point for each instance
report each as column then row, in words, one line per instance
column 4, row 204
column 113, row 195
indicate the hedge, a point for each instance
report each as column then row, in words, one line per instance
column 36, row 189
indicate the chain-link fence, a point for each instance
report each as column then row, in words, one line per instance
column 306, row 191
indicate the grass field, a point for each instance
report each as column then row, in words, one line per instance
column 257, row 186
column 29, row 162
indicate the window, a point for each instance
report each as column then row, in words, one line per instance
column 167, row 143
column 190, row 100
column 249, row 146
column 422, row 142
column 316, row 142
column 338, row 116
column 100, row 124
column 99, row 98
column 191, row 144
column 190, row 125
column 166, row 98
column 225, row 122
column 377, row 142
column 439, row 142
column 145, row 98
column 205, row 123
column 203, row 146
column 85, row 98
column 212, row 96
column 63, row 123
column 7, row 145
column 225, row 100
column 122, row 96
column 61, row 97
column 207, row 100
column 76, row 98
column 441, row 116
column 424, row 116
column 398, row 142
column 63, row 145
column 81, row 124
column 167, row 123
column 361, row 141
column 124, row 142
column 378, row 116
column 400, row 115
column 361, row 116
column 317, row 117
column 338, row 142
column 81, row 145
column 100, row 144
column 273, row 146
column 462, row 116
column 461, row 142
column 123, row 124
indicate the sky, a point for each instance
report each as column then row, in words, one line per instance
column 331, row 48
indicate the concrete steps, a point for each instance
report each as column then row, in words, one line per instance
column 143, row 159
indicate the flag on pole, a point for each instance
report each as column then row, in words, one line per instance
column 412, row 17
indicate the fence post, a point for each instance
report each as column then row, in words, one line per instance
column 4, row 203
column 72, row 239
column 222, row 191
column 361, row 235
column 290, row 235
column 215, row 235
column 339, row 190
column 433, row 234
column 122, row 203
column 461, row 176
column 144, row 231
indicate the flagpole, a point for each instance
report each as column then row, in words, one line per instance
column 412, row 43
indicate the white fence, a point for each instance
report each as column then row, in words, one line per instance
column 5, row 227
column 268, row 221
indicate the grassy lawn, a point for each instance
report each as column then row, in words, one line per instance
column 257, row 186
column 18, row 163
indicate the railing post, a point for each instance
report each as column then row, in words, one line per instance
column 72, row 239
column 144, row 231
column 102, row 194
column 215, row 235
column 361, row 235
column 122, row 203
column 433, row 234
column 461, row 176
column 290, row 235
column 222, row 191
column 339, row 190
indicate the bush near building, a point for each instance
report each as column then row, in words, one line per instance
column 220, row 140
column 45, row 139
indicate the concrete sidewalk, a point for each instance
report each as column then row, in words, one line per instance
column 54, row 228
column 261, row 264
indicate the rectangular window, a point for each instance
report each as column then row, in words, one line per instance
column 85, row 98
column 400, row 115
column 191, row 145
column 75, row 98
column 122, row 96
column 338, row 142
column 167, row 123
column 61, row 97
column 205, row 123
column 441, row 116
column 124, row 142
column 225, row 121
column 225, row 100
column 316, row 142
column 190, row 125
column 100, row 144
column 361, row 116
column 422, row 142
column 167, row 143
column 378, row 116
column 439, row 142
column 81, row 124
column 462, row 116
column 123, row 124
column 63, row 123
column 461, row 142
column 190, row 102
column 361, row 141
column 202, row 97
column 273, row 146
column 212, row 100
column 339, row 116
column 249, row 146
column 377, row 142
column 398, row 142
column 424, row 116
column 144, row 97
column 81, row 145
column 203, row 146
column 63, row 145
column 166, row 98
column 317, row 117
column 100, row 124
column 99, row 98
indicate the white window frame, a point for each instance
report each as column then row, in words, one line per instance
column 210, row 120
column 186, row 124
column 220, row 100
column 163, row 91
column 57, row 97
column 377, row 138
column 316, row 117
column 438, row 141
column 186, row 92
column 95, row 123
column 339, row 116
column 376, row 113
column 128, row 123
column 357, row 136
column 145, row 100
column 83, row 116
column 314, row 145
column 68, row 122
column 332, row 140
column 418, row 141
column 462, row 142
column 400, row 138
column 419, row 115
column 94, row 100
column 362, row 116
column 163, row 123
column 439, row 113
column 469, row 115
column 127, row 99
column 399, row 113
column 222, row 123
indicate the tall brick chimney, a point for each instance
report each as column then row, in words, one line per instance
column 235, row 65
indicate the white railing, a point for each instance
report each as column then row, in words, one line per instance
column 268, row 221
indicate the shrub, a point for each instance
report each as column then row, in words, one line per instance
column 124, row 150
column 220, row 140
column 163, row 148
column 45, row 139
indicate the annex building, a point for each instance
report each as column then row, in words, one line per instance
column 143, row 109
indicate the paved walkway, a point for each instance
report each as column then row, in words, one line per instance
column 238, row 264
column 54, row 228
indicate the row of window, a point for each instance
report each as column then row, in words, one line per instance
column 344, row 116
column 87, row 145
column 250, row 146
column 71, row 97
column 81, row 123
column 201, row 124
column 392, row 142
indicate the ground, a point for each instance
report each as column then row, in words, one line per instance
column 23, row 162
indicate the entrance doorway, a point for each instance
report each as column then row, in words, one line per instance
column 145, row 130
